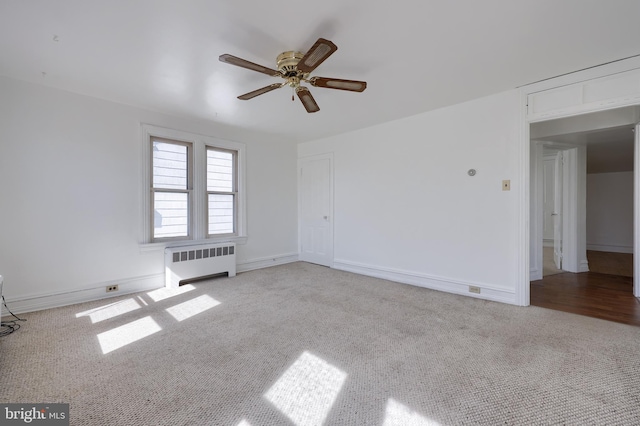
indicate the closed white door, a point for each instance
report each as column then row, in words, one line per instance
column 316, row 209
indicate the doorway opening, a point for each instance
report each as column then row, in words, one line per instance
column 553, row 210
column 583, row 203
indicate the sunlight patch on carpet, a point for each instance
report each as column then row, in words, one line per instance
column 192, row 307
column 397, row 414
column 306, row 392
column 110, row 311
column 126, row 334
column 165, row 293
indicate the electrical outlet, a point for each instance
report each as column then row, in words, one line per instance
column 474, row 289
column 506, row 185
column 111, row 288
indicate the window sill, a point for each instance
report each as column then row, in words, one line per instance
column 151, row 247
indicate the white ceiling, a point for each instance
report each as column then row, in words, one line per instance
column 608, row 150
column 608, row 136
column 415, row 55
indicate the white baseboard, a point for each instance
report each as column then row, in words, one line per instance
column 547, row 243
column 584, row 266
column 447, row 285
column 535, row 274
column 265, row 262
column 39, row 302
column 31, row 303
column 610, row 248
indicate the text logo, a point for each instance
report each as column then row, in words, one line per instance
column 34, row 414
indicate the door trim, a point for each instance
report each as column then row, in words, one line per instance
column 522, row 282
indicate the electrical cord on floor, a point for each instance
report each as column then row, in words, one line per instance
column 8, row 327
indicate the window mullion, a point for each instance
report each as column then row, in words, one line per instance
column 198, row 184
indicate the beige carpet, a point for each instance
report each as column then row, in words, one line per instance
column 301, row 345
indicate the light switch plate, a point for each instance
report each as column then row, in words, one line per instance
column 506, row 185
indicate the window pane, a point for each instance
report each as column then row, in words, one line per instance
column 221, row 214
column 220, row 171
column 170, row 214
column 169, row 165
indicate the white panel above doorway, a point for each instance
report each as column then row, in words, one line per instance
column 612, row 91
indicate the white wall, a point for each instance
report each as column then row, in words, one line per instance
column 70, row 174
column 406, row 209
column 610, row 212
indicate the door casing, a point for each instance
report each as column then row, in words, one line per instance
column 525, row 217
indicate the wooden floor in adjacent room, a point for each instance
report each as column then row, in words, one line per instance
column 609, row 297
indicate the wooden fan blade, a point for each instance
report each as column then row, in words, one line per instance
column 259, row 92
column 239, row 62
column 307, row 100
column 336, row 83
column 320, row 51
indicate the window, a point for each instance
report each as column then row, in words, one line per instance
column 193, row 188
column 221, row 191
column 171, row 186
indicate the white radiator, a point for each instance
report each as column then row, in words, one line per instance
column 186, row 263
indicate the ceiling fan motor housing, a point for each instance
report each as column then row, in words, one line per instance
column 287, row 63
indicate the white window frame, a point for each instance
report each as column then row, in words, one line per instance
column 188, row 190
column 233, row 192
column 199, row 215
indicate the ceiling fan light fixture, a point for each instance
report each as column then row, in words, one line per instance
column 295, row 68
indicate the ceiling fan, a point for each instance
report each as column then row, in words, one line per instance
column 295, row 68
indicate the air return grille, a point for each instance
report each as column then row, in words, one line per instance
column 187, row 263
